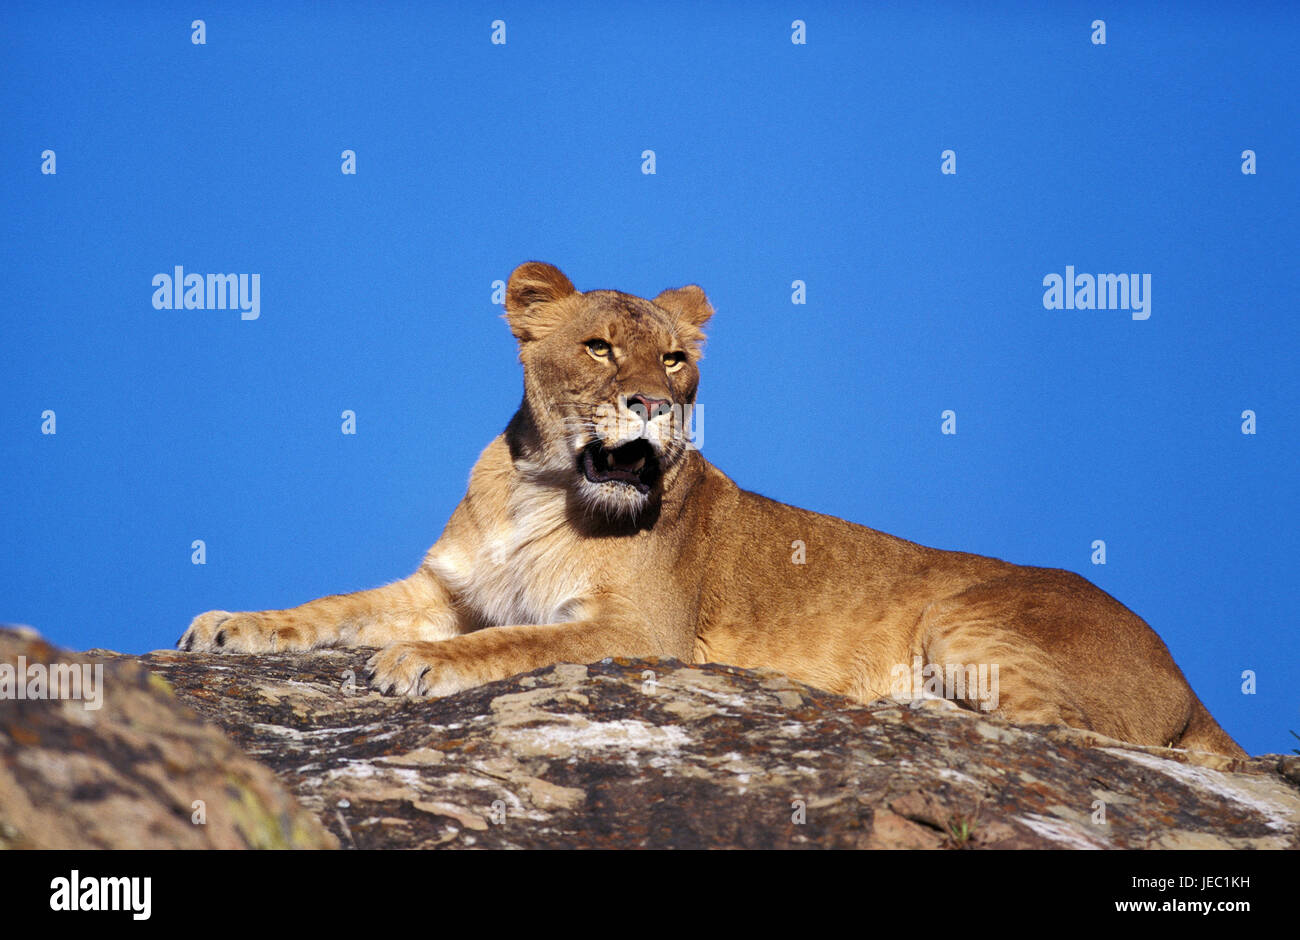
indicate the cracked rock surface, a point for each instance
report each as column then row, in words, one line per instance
column 646, row 753
column 297, row 751
column 140, row 770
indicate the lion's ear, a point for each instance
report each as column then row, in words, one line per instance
column 530, row 299
column 691, row 308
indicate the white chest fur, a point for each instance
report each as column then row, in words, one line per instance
column 521, row 568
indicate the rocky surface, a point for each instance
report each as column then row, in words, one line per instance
column 127, row 765
column 613, row 754
column 661, row 754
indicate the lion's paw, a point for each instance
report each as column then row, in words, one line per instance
column 223, row 631
column 416, row 669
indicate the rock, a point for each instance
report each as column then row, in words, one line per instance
column 633, row 753
column 128, row 773
column 658, row 754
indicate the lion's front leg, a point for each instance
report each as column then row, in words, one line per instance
column 416, row 608
column 436, row 669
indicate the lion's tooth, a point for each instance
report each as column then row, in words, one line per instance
column 636, row 467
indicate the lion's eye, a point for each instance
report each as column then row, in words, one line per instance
column 674, row 360
column 598, row 348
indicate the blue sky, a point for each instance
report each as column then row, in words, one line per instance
column 775, row 162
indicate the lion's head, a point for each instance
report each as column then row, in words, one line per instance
column 609, row 385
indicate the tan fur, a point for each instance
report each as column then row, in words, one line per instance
column 543, row 562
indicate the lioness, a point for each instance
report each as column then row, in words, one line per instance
column 592, row 528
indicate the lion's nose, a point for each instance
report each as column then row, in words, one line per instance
column 649, row 408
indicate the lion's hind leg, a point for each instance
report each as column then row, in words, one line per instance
column 979, row 667
column 1064, row 652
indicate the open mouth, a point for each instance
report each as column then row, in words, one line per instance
column 633, row 464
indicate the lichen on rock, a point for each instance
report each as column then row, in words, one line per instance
column 650, row 753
